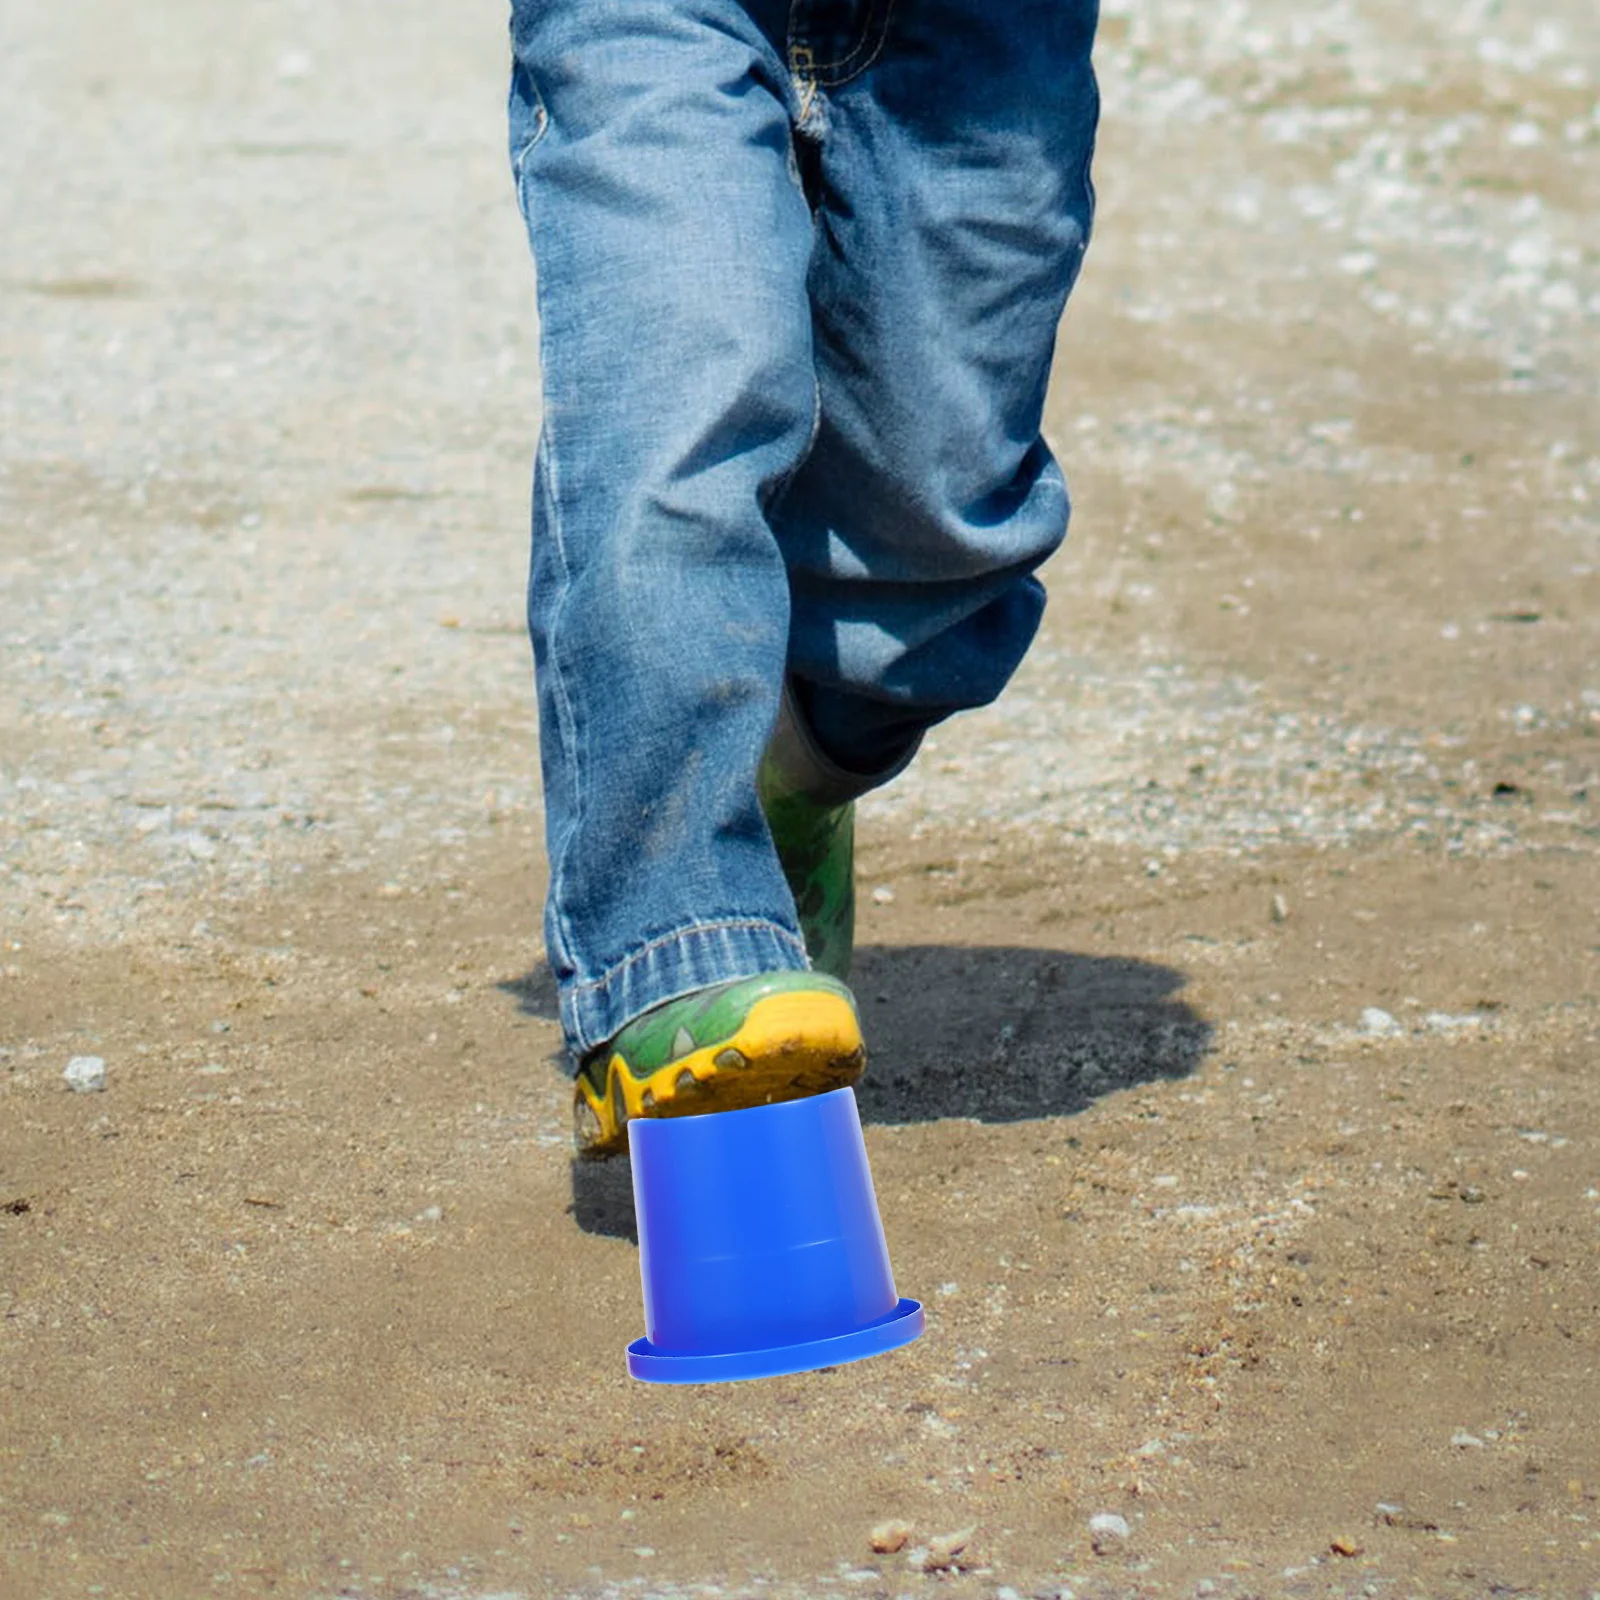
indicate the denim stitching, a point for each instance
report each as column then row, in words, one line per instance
column 741, row 924
column 541, row 126
column 834, row 74
column 568, row 725
column 813, row 76
column 802, row 69
column 567, row 730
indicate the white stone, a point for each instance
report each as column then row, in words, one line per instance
column 86, row 1074
column 1106, row 1527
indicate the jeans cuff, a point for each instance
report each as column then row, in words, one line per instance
column 803, row 767
column 676, row 964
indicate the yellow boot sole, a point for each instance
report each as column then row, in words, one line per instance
column 789, row 1045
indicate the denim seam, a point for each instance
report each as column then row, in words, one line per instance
column 644, row 952
column 568, row 726
column 1088, row 164
column 568, row 731
column 834, row 74
column 802, row 70
column 882, row 44
column 791, row 472
column 541, row 126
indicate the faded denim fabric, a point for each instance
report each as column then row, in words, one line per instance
column 800, row 268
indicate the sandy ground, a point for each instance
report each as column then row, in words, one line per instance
column 311, row 1300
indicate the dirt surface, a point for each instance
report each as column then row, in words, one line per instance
column 1233, row 987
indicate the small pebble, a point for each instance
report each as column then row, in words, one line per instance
column 945, row 1548
column 1106, row 1529
column 1377, row 1022
column 1280, row 908
column 889, row 1537
column 85, row 1074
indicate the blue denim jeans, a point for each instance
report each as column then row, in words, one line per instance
column 800, row 265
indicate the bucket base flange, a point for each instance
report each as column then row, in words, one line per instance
column 901, row 1326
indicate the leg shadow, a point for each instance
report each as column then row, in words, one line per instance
column 1000, row 1034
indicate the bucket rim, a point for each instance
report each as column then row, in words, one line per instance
column 902, row 1325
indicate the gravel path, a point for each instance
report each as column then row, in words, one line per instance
column 269, row 392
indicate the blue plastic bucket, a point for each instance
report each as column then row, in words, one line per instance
column 760, row 1247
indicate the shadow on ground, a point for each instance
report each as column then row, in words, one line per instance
column 997, row 1034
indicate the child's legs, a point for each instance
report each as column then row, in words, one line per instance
column 652, row 146
column 954, row 205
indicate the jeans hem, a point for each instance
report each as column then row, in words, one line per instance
column 676, row 964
